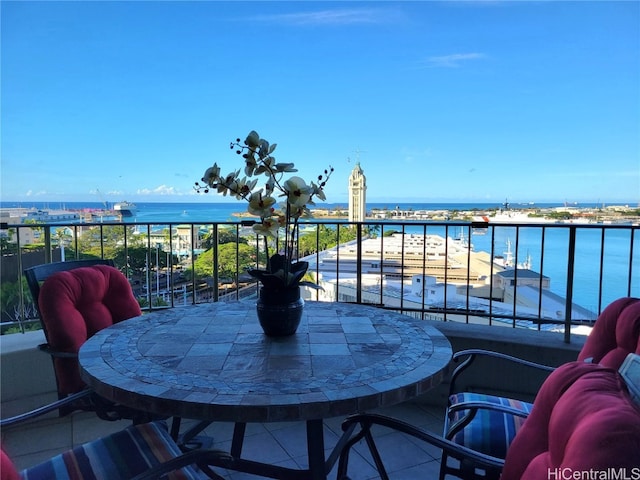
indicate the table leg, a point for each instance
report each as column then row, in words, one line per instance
column 319, row 467
column 238, row 439
column 315, row 449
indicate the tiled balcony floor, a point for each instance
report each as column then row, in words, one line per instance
column 276, row 443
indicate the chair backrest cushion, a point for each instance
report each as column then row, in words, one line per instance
column 39, row 273
column 76, row 304
column 582, row 419
column 615, row 334
column 7, row 469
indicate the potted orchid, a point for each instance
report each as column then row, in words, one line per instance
column 279, row 203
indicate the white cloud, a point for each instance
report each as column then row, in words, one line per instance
column 332, row 17
column 454, row 60
column 160, row 190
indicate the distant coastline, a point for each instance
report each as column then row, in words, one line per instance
column 155, row 212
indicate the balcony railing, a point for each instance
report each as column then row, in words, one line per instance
column 537, row 275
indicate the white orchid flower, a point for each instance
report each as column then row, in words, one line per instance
column 285, row 167
column 253, row 140
column 261, row 206
column 268, row 227
column 297, row 191
column 267, row 166
column 318, row 191
column 250, row 164
column 212, row 175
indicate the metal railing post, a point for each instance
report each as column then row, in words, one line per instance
column 569, row 297
column 47, row 245
column 358, row 263
column 216, row 263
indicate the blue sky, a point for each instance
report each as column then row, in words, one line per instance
column 440, row 101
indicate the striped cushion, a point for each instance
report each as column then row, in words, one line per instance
column 119, row 456
column 489, row 432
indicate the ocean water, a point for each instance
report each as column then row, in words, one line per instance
column 217, row 211
column 549, row 257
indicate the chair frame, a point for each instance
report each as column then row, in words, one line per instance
column 203, row 458
column 466, row 358
column 490, row 464
column 474, row 465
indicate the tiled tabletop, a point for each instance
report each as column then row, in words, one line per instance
column 212, row 361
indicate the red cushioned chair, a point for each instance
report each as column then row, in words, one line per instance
column 75, row 301
column 583, row 420
column 483, row 426
column 615, row 334
column 488, row 423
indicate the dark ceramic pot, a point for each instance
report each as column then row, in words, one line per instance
column 279, row 311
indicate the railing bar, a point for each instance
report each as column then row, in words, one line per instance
column 75, row 242
column 541, row 277
column 338, row 263
column 381, row 263
column 126, row 254
column 215, row 260
column 601, row 270
column 147, row 265
column 491, row 270
column 318, row 255
column 631, row 241
column 468, row 267
column 358, row 263
column 569, row 295
column 404, row 232
column 101, row 241
column 21, row 306
column 446, row 267
column 172, row 284
column 424, row 268
column 515, row 278
column 47, row 245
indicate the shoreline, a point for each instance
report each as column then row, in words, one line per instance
column 613, row 214
column 520, row 214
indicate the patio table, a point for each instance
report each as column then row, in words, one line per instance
column 213, row 363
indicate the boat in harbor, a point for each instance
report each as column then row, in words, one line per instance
column 126, row 209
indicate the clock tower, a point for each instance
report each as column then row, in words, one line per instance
column 357, row 195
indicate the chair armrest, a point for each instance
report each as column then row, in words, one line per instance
column 46, row 348
column 472, row 354
column 477, row 405
column 458, row 451
column 5, row 422
column 471, row 408
column 201, row 458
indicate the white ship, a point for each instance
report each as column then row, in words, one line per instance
column 126, row 209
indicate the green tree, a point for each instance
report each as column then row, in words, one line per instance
column 104, row 239
column 225, row 235
column 10, row 302
column 323, row 238
column 226, row 260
